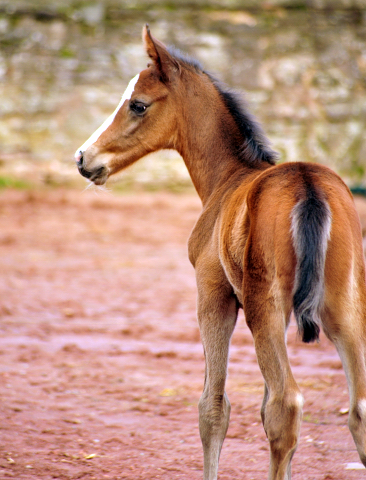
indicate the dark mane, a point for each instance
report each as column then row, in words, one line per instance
column 255, row 148
column 184, row 58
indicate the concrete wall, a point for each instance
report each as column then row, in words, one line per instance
column 64, row 65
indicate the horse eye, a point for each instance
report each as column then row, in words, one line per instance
column 138, row 108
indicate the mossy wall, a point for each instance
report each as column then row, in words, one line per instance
column 64, row 65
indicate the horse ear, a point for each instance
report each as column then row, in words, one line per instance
column 157, row 51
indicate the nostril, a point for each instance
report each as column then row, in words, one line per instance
column 79, row 158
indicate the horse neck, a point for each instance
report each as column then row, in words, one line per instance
column 208, row 142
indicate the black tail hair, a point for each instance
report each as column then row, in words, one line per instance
column 311, row 223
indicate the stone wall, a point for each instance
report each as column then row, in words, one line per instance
column 64, row 65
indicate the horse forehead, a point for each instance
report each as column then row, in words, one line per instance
column 149, row 84
column 130, row 89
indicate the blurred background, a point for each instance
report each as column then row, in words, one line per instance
column 64, row 65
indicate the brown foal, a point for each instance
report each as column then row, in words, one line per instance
column 270, row 239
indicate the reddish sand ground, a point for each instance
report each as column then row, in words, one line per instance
column 101, row 364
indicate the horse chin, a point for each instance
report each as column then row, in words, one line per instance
column 100, row 181
column 98, row 175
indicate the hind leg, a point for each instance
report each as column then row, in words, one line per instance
column 346, row 328
column 282, row 404
column 217, row 314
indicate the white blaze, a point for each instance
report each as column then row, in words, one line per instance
column 94, row 137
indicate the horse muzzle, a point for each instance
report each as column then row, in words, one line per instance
column 97, row 175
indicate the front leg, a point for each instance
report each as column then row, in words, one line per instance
column 217, row 314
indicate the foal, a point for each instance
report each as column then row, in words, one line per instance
column 270, row 239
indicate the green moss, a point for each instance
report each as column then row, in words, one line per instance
column 8, row 182
column 66, row 52
column 355, row 168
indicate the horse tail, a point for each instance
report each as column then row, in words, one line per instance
column 311, row 225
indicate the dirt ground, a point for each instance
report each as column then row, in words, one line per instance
column 101, row 365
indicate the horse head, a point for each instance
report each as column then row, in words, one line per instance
column 143, row 122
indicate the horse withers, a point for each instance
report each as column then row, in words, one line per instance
column 271, row 239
